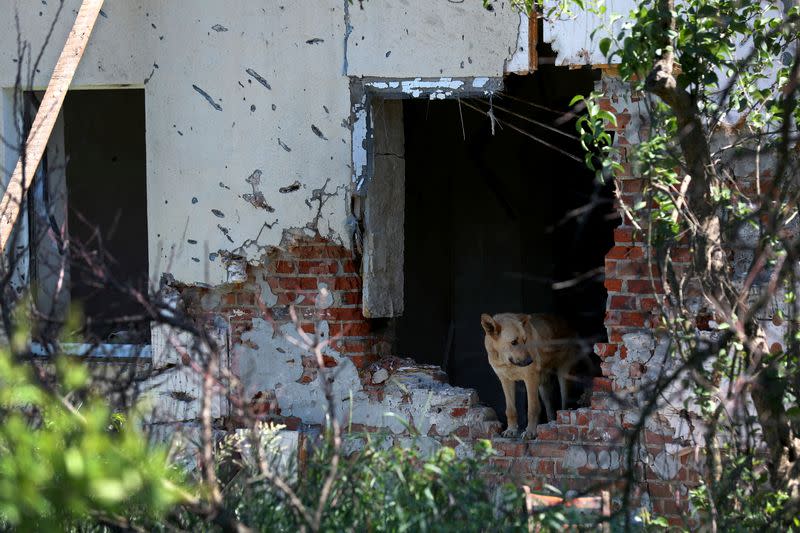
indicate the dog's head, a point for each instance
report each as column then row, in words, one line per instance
column 506, row 334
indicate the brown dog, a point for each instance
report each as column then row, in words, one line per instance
column 528, row 348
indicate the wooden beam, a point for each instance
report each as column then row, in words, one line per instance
column 533, row 38
column 46, row 117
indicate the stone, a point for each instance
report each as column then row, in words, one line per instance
column 380, row 376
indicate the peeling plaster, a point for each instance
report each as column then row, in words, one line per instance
column 572, row 35
column 520, row 60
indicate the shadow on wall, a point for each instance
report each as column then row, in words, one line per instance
column 500, row 223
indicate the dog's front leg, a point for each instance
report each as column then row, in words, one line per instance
column 534, row 408
column 511, row 407
column 562, row 384
column 545, row 393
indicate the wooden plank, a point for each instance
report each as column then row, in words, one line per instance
column 533, row 38
column 46, row 117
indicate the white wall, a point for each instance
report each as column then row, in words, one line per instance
column 199, row 157
column 571, row 33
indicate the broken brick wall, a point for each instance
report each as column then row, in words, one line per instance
column 319, row 281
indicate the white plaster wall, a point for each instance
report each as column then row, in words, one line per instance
column 430, row 38
column 200, row 153
column 199, row 157
column 117, row 52
column 570, row 34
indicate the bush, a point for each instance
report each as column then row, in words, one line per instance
column 378, row 489
column 62, row 463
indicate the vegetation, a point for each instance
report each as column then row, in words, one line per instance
column 67, row 457
column 720, row 81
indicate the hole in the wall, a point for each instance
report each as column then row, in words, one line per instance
column 93, row 183
column 500, row 223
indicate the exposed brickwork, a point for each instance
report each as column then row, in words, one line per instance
column 320, row 280
column 583, row 450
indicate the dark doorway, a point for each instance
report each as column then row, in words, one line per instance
column 104, row 133
column 498, row 223
column 92, row 189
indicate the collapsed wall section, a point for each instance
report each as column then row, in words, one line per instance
column 318, row 281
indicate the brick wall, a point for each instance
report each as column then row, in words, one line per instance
column 582, row 450
column 320, row 279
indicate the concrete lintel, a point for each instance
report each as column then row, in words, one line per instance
column 363, row 90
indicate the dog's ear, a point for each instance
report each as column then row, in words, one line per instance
column 491, row 327
column 524, row 319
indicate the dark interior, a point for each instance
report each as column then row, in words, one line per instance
column 492, row 222
column 107, row 198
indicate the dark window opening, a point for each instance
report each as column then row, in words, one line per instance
column 93, row 183
column 500, row 223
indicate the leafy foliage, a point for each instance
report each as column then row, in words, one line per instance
column 378, row 489
column 60, row 463
column 720, row 80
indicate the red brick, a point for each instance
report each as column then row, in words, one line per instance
column 547, row 432
column 349, row 346
column 458, row 412
column 622, row 302
column 648, row 304
column 601, row 384
column 618, row 252
column 229, row 299
column 568, row 433
column 289, row 283
column 651, row 437
column 510, row 448
column 540, row 448
column 545, row 468
column 613, row 285
column 462, row 432
column 284, row 267
column 640, row 286
column 349, row 329
column 583, row 418
column 362, row 360
column 318, row 267
column 245, row 298
column 349, row 267
column 605, row 349
column 623, row 235
column 318, row 252
column 635, row 269
column 632, row 318
column 345, row 314
column 603, row 419
column 351, row 298
column 347, row 283
column 501, row 463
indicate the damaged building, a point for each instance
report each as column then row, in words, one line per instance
column 388, row 170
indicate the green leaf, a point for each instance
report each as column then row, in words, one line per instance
column 605, row 45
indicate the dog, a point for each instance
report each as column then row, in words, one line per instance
column 530, row 348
